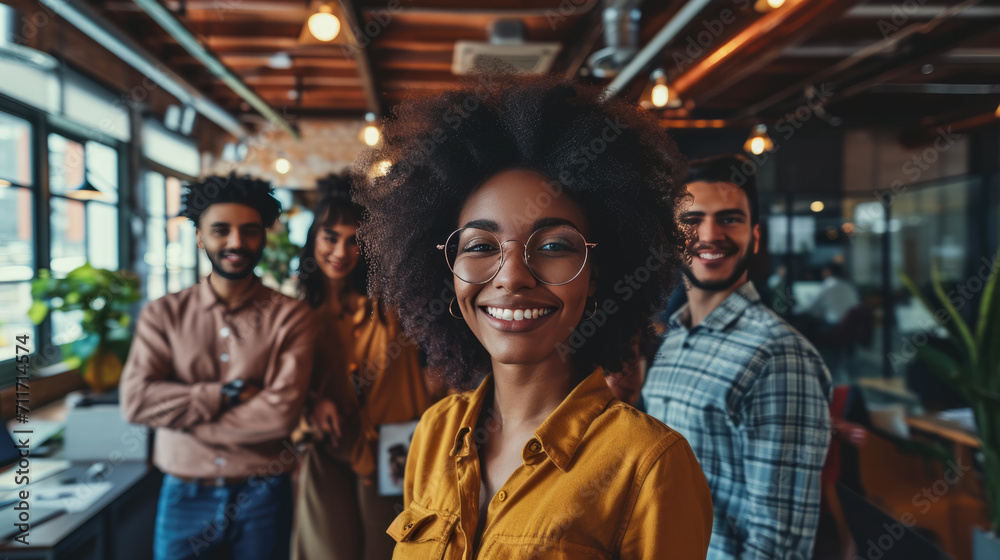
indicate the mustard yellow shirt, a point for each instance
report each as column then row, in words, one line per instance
column 599, row 480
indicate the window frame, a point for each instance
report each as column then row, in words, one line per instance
column 149, row 166
column 42, row 125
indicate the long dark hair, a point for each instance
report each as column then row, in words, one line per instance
column 335, row 207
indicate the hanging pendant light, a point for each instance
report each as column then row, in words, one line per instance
column 324, row 25
column 758, row 142
column 658, row 94
column 282, row 165
column 370, row 134
column 764, row 6
column 86, row 191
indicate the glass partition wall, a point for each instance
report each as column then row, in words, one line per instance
column 834, row 263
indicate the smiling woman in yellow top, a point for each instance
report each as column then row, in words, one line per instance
column 525, row 233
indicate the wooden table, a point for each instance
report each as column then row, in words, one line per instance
column 952, row 431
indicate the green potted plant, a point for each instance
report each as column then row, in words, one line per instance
column 976, row 374
column 276, row 262
column 105, row 297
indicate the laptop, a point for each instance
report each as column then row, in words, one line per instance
column 11, row 483
column 10, row 457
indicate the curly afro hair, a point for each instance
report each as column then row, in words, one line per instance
column 609, row 156
column 217, row 189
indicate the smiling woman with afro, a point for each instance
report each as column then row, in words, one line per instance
column 525, row 231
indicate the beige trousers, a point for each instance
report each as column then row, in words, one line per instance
column 337, row 516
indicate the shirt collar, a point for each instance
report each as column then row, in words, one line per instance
column 463, row 439
column 732, row 307
column 722, row 316
column 210, row 299
column 561, row 433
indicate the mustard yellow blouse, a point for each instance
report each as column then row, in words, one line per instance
column 371, row 370
column 599, row 480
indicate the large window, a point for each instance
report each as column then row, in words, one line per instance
column 17, row 253
column 83, row 215
column 866, row 242
column 171, row 246
column 63, row 142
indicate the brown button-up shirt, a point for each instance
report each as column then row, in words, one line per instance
column 599, row 480
column 187, row 346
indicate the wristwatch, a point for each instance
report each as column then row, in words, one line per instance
column 232, row 391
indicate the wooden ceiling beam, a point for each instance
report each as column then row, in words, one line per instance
column 584, row 38
column 332, row 82
column 237, row 61
column 756, row 46
column 380, row 45
column 362, row 58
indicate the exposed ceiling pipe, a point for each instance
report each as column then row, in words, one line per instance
column 95, row 26
column 10, row 49
column 643, row 59
column 621, row 38
column 176, row 29
column 877, row 11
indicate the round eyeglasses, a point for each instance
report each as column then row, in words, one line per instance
column 555, row 255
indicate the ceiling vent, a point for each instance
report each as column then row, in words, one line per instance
column 621, row 37
column 506, row 51
column 12, row 51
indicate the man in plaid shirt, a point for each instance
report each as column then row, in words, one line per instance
column 749, row 393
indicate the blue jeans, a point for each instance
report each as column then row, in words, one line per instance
column 252, row 520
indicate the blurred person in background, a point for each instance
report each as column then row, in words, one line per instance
column 835, row 298
column 221, row 371
column 367, row 373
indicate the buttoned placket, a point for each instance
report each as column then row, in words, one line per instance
column 223, row 347
column 467, row 475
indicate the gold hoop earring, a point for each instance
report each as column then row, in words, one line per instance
column 594, row 312
column 452, row 312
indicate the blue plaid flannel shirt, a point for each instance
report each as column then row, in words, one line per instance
column 751, row 395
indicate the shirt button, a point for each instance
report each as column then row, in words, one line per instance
column 501, row 495
column 224, row 332
column 687, row 345
column 534, row 447
column 408, row 526
column 224, row 357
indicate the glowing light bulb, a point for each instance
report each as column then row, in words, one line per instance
column 282, row 166
column 324, row 25
column 775, row 4
column 757, row 146
column 371, row 135
column 661, row 95
column 817, row 206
